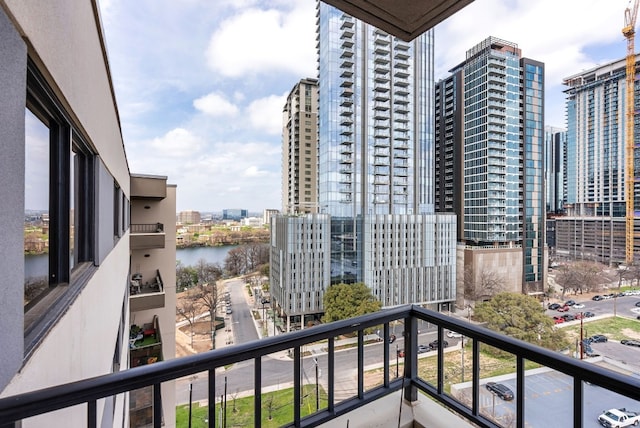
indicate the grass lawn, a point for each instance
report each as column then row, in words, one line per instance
column 278, row 403
column 615, row 328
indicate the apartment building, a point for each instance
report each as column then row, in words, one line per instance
column 300, row 149
column 596, row 141
column 375, row 175
column 489, row 161
column 66, row 313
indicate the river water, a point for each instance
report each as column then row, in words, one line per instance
column 38, row 265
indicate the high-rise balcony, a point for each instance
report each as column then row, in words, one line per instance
column 380, row 383
column 146, row 293
column 147, row 236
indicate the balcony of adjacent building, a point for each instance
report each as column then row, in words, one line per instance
column 146, row 291
column 340, row 373
column 145, row 236
column 145, row 348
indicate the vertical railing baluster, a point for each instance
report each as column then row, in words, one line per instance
column 520, row 392
column 577, row 402
column 440, row 361
column 385, row 357
column 410, row 358
column 212, row 397
column 257, row 392
column 475, row 384
column 157, row 405
column 92, row 414
column 297, row 387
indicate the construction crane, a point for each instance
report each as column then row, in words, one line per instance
column 629, row 32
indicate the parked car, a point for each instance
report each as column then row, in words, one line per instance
column 629, row 342
column 500, row 390
column 568, row 317
column 618, row 418
column 570, row 303
column 558, row 319
column 638, row 303
column 392, row 338
column 597, row 298
column 229, row 310
column 453, row 334
column 578, row 306
column 598, row 338
column 423, row 348
column 401, row 353
column 564, row 308
column 588, row 314
column 434, row 344
column 553, row 306
column 578, row 316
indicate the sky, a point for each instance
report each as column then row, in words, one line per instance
column 201, row 84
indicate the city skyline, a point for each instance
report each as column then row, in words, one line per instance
column 201, row 102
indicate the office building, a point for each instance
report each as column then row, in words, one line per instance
column 234, row 214
column 489, row 161
column 300, row 149
column 375, row 175
column 106, row 253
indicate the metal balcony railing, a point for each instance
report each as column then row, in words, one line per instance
column 147, row 228
column 88, row 391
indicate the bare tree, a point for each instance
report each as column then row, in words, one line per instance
column 270, row 405
column 233, row 398
column 486, row 284
column 188, row 309
column 208, row 296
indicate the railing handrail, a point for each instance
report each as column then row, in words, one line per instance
column 89, row 390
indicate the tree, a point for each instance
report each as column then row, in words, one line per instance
column 342, row 301
column 188, row 309
column 580, row 277
column 521, row 317
column 186, row 276
column 484, row 285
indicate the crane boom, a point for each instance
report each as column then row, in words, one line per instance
column 629, row 31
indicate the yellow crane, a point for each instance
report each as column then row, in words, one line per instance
column 629, row 31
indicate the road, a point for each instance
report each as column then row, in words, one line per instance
column 277, row 370
column 244, row 329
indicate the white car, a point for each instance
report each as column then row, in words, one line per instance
column 578, row 306
column 453, row 334
column 618, row 418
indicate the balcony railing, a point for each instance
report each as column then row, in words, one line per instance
column 470, row 410
column 147, row 236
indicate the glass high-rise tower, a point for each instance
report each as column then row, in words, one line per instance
column 375, row 168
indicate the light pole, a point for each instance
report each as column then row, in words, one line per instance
column 462, row 353
column 315, row 360
column 397, row 355
column 190, row 401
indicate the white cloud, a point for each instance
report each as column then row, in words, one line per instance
column 265, row 41
column 177, row 143
column 266, row 114
column 215, row 104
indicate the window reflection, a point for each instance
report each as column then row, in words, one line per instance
column 36, row 207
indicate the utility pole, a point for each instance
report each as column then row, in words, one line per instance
column 462, row 353
column 397, row 356
column 581, row 336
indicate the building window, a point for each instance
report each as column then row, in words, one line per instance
column 59, row 188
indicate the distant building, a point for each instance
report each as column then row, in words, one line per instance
column 300, row 149
column 489, row 161
column 189, row 217
column 555, row 141
column 234, row 214
column 251, row 221
column 267, row 214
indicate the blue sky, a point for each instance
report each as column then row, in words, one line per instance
column 200, row 84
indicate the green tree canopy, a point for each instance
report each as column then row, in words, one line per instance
column 342, row 301
column 521, row 317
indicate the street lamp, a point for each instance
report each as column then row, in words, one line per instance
column 397, row 355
